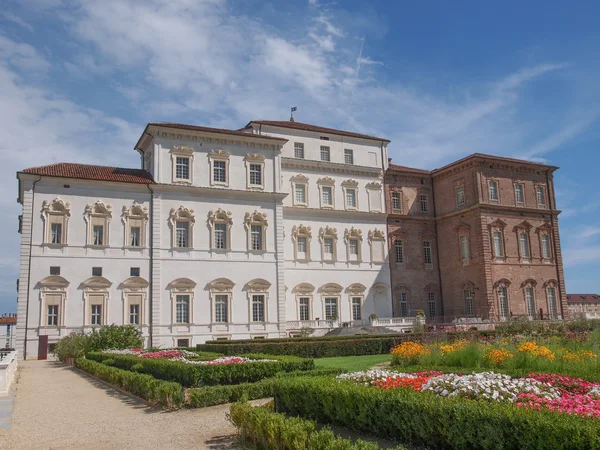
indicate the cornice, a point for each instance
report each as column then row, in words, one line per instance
column 221, row 192
column 513, row 210
column 252, row 141
column 324, row 166
column 333, row 213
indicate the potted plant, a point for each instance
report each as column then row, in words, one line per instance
column 373, row 317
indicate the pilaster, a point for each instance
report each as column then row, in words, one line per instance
column 25, row 257
column 156, row 263
column 280, row 262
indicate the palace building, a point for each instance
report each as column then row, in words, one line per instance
column 277, row 229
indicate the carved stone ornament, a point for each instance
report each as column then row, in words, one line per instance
column 258, row 157
column 256, row 217
column 301, row 230
column 221, row 285
column 331, row 288
column 57, row 205
column 136, row 210
column 353, row 233
column 221, row 216
column 376, row 235
column 99, row 208
column 350, row 183
column 258, row 285
column 182, row 150
column 299, row 178
column 219, row 153
column 356, row 288
column 374, row 185
column 326, row 181
column 328, row 232
column 304, row 288
column 181, row 213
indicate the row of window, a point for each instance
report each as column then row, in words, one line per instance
column 330, row 308
column 398, row 203
column 324, row 153
column 326, row 188
column 403, row 305
column 494, row 194
column 400, row 253
column 504, row 310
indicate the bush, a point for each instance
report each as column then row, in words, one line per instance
column 161, row 393
column 266, row 429
column 78, row 343
column 190, row 375
column 74, row 345
column 422, row 419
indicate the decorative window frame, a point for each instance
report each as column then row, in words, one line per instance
column 432, row 288
column 402, row 289
column 96, row 286
column 376, row 189
column 134, row 286
column 182, row 214
column 259, row 159
column 258, row 286
column 420, row 196
column 221, row 286
column 522, row 184
column 51, row 210
column 463, row 229
column 356, row 234
column 465, row 287
column 502, row 283
column 553, row 284
column 399, row 234
column 331, row 290
column 497, row 225
column 53, row 285
column 544, row 195
column 326, row 182
column 299, row 180
column 218, row 155
column 428, row 235
column 182, row 286
column 460, row 184
column 524, row 228
column 305, row 290
column 139, row 212
column 545, row 230
column 489, row 182
column 256, row 218
column 220, row 216
column 530, row 283
column 98, row 209
column 305, row 232
column 356, row 290
column 350, row 185
column 401, row 200
column 376, row 237
column 182, row 151
column 328, row 233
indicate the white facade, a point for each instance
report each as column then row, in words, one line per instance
column 210, row 248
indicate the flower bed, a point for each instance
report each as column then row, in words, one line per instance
column 184, row 355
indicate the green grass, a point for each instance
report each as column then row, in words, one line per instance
column 353, row 363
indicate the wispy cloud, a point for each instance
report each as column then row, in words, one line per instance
column 16, row 19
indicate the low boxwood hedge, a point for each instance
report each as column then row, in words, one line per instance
column 266, row 429
column 190, row 375
column 162, row 393
column 422, row 419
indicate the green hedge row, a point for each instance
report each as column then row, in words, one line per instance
column 218, row 395
column 268, row 430
column 190, row 375
column 422, row 419
column 162, row 393
column 296, row 339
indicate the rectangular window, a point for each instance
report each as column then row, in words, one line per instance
column 464, row 247
column 399, row 247
column 356, row 308
column 134, row 271
column 304, row 306
column 424, row 203
column 134, row 314
column 545, row 246
column 331, row 308
column 403, row 300
column 519, row 194
column 256, row 174
column 256, row 237
column 300, row 193
column 539, row 194
column 182, row 234
column 258, row 308
column 183, row 343
column 493, row 191
column 182, row 309
column 431, row 303
column 98, row 235
column 551, row 292
column 301, row 243
column 96, row 271
column 328, row 248
column 220, row 233
column 219, row 171
column 54, row 270
column 460, row 196
column 427, row 259
column 530, row 300
column 469, row 294
column 135, row 234
column 498, row 244
column 327, row 195
column 349, row 156
column 56, row 230
column 221, row 315
column 503, row 302
column 524, row 245
column 351, row 198
column 96, row 315
column 182, row 168
column 299, row 150
column 353, row 246
column 396, row 202
column 325, row 153
column 53, row 315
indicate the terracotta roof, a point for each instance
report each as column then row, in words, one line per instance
column 89, row 172
column 495, row 158
column 309, row 127
column 7, row 320
column 182, row 126
column 583, row 298
column 407, row 169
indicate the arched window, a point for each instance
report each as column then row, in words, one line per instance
column 182, row 222
column 353, row 238
column 501, row 288
column 528, row 287
column 220, row 222
column 221, row 292
column 53, row 296
column 182, row 301
column 95, row 296
column 56, row 215
column 135, row 219
column 258, row 297
column 256, row 227
column 301, row 236
column 551, row 287
column 97, row 216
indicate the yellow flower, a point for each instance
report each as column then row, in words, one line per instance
column 409, row 352
column 497, row 357
column 537, row 350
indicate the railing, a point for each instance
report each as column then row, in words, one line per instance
column 592, row 315
column 327, row 324
column 298, row 324
column 391, row 321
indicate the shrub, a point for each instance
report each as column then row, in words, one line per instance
column 266, row 429
column 74, row 345
column 421, row 419
column 78, row 343
column 161, row 393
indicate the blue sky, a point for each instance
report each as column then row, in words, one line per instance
column 80, row 79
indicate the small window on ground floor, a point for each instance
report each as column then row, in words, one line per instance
column 183, row 342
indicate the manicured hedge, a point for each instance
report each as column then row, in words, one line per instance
column 422, row 419
column 297, row 339
column 190, row 375
column 161, row 393
column 217, row 395
column 266, row 429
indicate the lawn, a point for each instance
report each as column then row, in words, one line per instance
column 353, row 363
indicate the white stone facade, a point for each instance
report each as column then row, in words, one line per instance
column 209, row 249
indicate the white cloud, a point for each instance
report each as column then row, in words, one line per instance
column 584, row 255
column 22, row 56
column 16, row 19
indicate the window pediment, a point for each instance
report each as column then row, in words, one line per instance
column 380, row 288
column 304, row 288
column 254, row 157
column 326, row 181
column 221, row 216
column 356, row 288
column 134, row 283
column 331, row 288
column 497, row 224
column 96, row 283
column 182, row 284
column 523, row 226
column 328, row 232
column 401, row 232
column 301, row 230
column 550, row 283
column 431, row 287
column 219, row 154
column 255, row 217
column 426, row 233
column 544, row 228
column 98, row 208
column 299, row 178
column 373, row 185
column 376, row 235
column 353, row 233
column 402, row 288
column 503, row 282
column 57, row 205
column 221, row 285
column 462, row 226
column 467, row 285
column 530, row 282
column 258, row 285
column 182, row 150
column 54, row 281
column 182, row 213
column 136, row 210
column 350, row 183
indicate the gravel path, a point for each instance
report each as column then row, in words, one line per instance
column 57, row 407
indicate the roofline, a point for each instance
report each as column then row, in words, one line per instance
column 334, row 132
column 20, row 172
column 407, row 169
column 495, row 158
